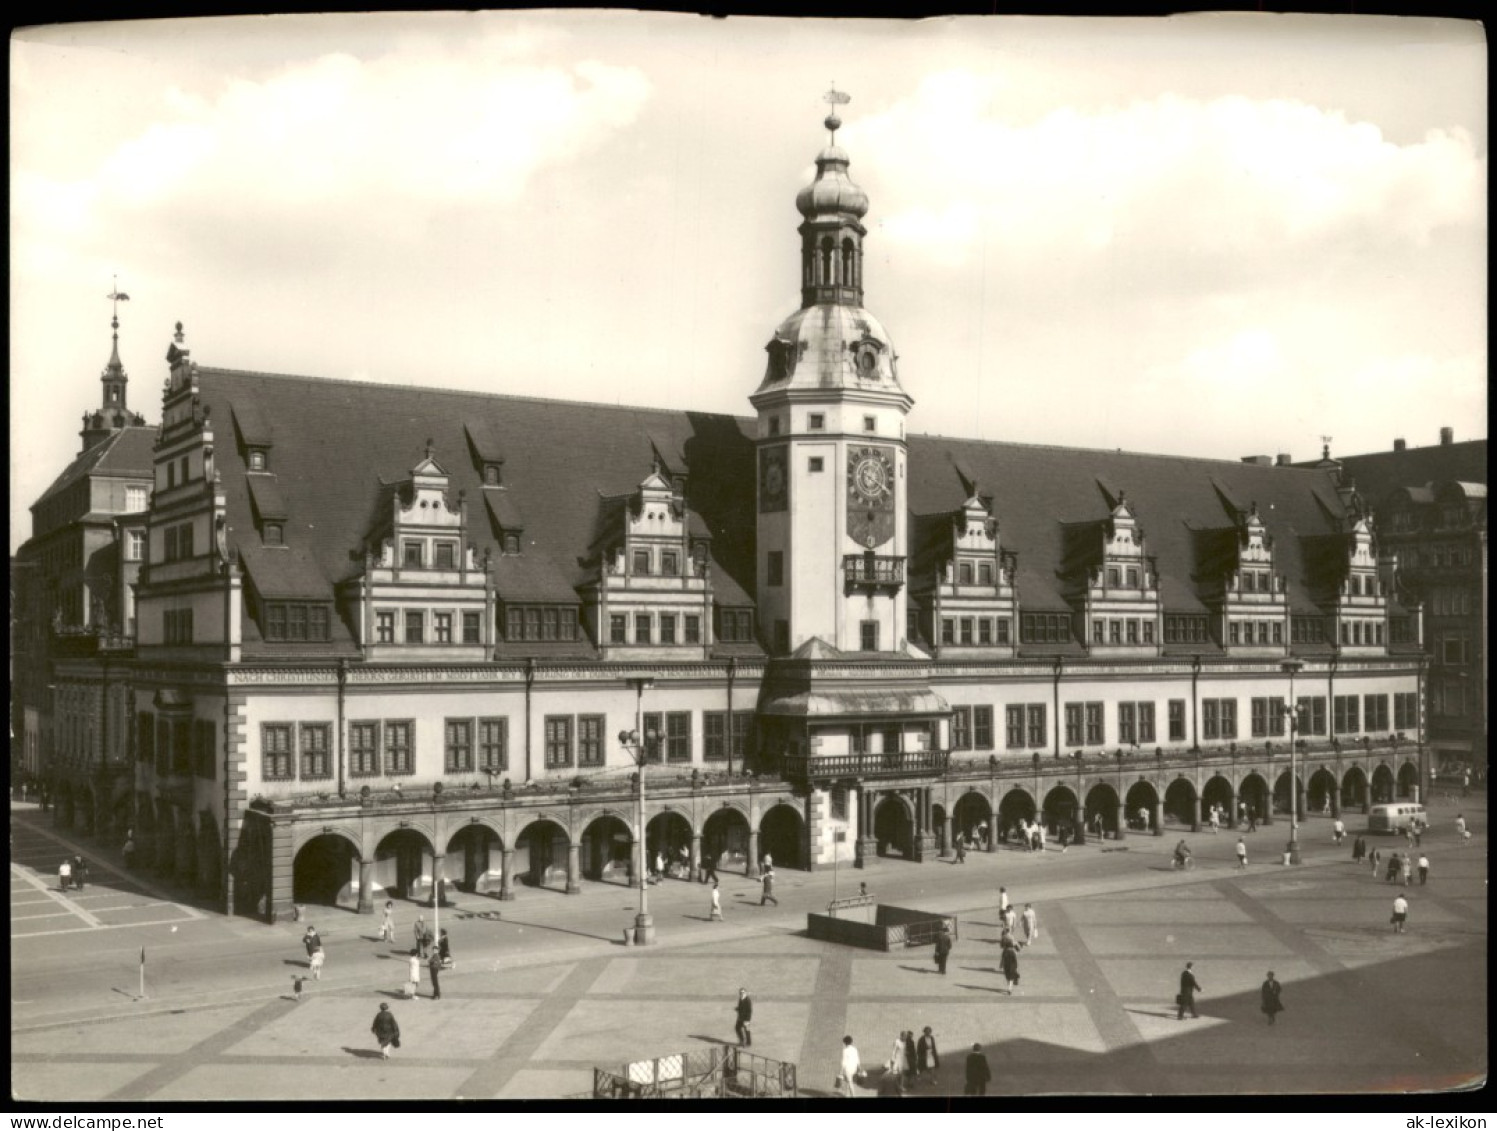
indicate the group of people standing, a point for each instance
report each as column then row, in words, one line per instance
column 72, row 873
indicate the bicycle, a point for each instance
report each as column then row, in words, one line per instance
column 1186, row 864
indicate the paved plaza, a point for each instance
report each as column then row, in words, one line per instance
column 548, row 991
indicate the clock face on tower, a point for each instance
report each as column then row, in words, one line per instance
column 870, row 495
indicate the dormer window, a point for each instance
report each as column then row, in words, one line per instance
column 257, row 460
column 274, row 534
column 511, row 543
column 491, row 475
column 411, row 555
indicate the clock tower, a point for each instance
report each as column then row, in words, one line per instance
column 832, row 515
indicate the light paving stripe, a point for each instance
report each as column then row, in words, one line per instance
column 61, row 900
column 821, row 1050
column 205, row 1051
column 108, row 927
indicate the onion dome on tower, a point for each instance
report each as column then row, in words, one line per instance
column 831, row 341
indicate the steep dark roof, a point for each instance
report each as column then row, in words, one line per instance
column 1378, row 473
column 567, row 464
column 128, row 452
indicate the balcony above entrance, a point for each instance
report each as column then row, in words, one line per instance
column 827, row 767
column 872, row 571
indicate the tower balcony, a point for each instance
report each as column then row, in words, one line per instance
column 873, row 571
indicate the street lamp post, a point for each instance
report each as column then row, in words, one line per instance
column 1292, row 667
column 638, row 746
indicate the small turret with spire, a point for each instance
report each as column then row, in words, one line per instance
column 113, row 413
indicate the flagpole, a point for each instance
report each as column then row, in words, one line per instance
column 142, row 972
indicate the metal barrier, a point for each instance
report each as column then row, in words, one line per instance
column 717, row 1072
column 924, row 932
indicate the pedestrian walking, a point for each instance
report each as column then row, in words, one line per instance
column 1215, row 821
column 961, row 850
column 1272, row 1003
column 1010, row 919
column 80, row 872
column 1358, row 850
column 386, row 1030
column 418, row 929
column 717, row 903
column 1400, row 913
column 1252, row 819
column 709, row 867
column 1375, row 856
column 1423, row 869
column 129, row 852
column 297, row 984
column 1186, row 998
column 1009, row 963
column 1394, row 867
column 894, row 1066
column 929, row 1059
column 434, row 964
column 65, row 874
column 1241, row 851
column 768, row 881
column 1002, row 902
column 311, row 940
column 943, row 948
column 387, row 927
column 911, row 1063
column 1460, row 827
column 1418, row 830
column 316, row 964
column 1031, row 924
column 851, row 1069
column 978, row 1073
column 413, row 975
column 744, row 1012
column 1338, row 830
column 444, row 950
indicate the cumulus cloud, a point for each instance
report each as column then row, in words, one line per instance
column 1170, row 176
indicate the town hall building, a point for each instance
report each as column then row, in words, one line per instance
column 387, row 635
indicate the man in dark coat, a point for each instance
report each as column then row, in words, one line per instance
column 386, row 1030
column 943, row 948
column 80, row 872
column 978, row 1073
column 929, row 1059
column 1189, row 987
column 911, row 1065
column 434, row 964
column 1009, row 961
column 745, row 1011
column 1272, row 1005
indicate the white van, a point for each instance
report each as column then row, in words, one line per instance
column 1397, row 817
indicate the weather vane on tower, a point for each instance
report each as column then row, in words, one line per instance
column 836, row 98
column 116, row 296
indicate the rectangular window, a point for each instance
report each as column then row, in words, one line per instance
column 966, row 630
column 693, row 629
column 1099, row 632
column 493, row 744
column 948, row 630
column 1075, row 724
column 296, row 622
column 558, row 741
column 1115, row 632
column 441, row 624
column 984, row 630
column 1229, row 718
column 1278, row 632
column 618, row 628
column 1347, row 715
column 363, row 749
column 678, row 736
column 1405, row 711
column 774, row 573
column 670, row 563
column 1145, row 722
column 870, row 424
column 743, row 734
column 1258, row 717
column 135, row 545
column 472, row 628
column 1013, row 720
column 961, row 728
column 1003, row 630
column 532, row 624
column 550, row 624
column 1310, row 710
column 1177, row 720
column 400, row 747
column 135, row 499
column 667, row 628
column 1114, row 577
column 1132, row 632
column 1095, row 732
column 276, row 757
column 964, row 573
column 1127, row 723
column 1148, row 632
column 275, row 622
column 1234, row 633
column 714, row 736
column 654, row 735
column 641, row 628
column 415, row 627
column 815, row 464
column 590, row 731
column 411, row 555
column 315, row 761
column 1375, row 713
column 1211, row 718
column 446, row 555
column 816, row 421
column 868, row 635
column 982, row 728
column 459, row 746
column 1035, row 717
column 1132, row 577
column 642, row 563
column 985, row 573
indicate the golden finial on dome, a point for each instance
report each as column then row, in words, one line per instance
column 836, row 98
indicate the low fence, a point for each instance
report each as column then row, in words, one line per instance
column 722, row 1072
column 893, row 928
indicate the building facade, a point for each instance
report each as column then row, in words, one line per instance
column 387, row 636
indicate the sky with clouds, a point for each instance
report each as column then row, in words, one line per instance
column 1215, row 236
